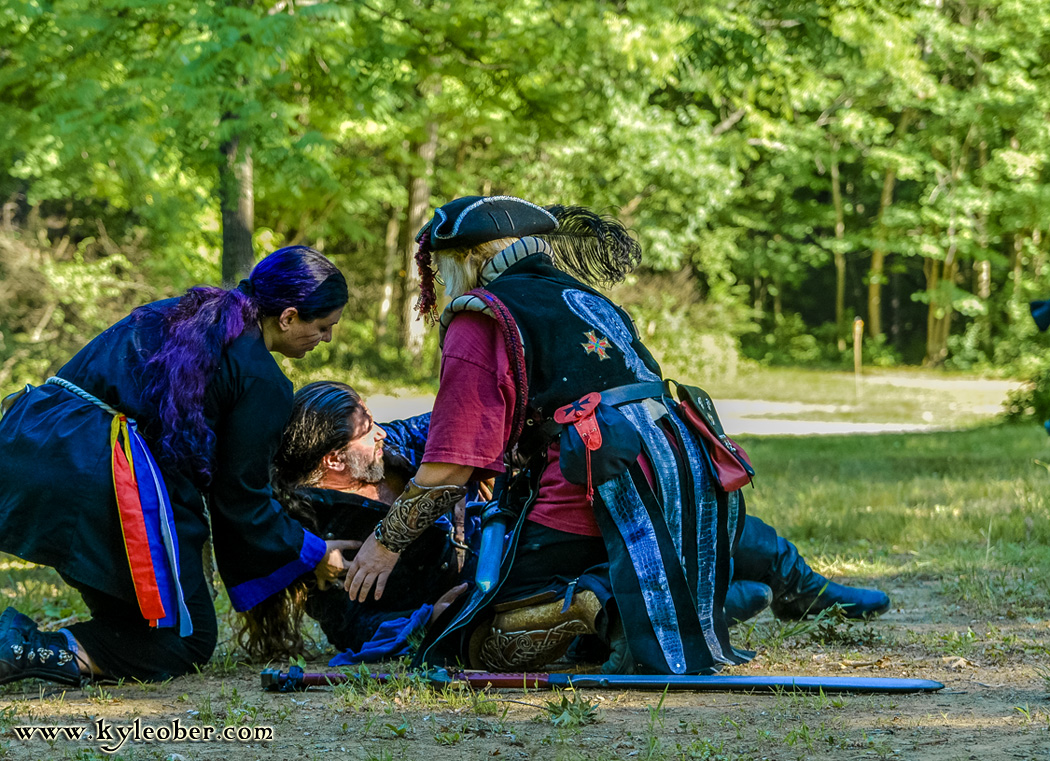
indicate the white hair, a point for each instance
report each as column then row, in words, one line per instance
column 459, row 268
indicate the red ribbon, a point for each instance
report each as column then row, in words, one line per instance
column 133, row 525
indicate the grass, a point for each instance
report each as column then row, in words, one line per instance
column 901, row 493
column 964, row 512
column 881, row 396
column 573, row 710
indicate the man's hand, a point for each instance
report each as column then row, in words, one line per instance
column 332, row 565
column 372, row 565
column 445, row 600
column 485, row 488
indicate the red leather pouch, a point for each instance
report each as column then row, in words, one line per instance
column 729, row 461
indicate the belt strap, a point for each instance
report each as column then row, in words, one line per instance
column 634, row 392
column 544, row 432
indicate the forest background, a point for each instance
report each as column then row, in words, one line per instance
column 788, row 166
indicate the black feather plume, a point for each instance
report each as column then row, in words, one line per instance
column 597, row 249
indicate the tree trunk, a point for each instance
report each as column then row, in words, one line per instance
column 391, row 260
column 876, row 272
column 1017, row 265
column 237, row 201
column 841, row 329
column 412, row 325
column 939, row 313
column 1039, row 257
column 758, row 291
column 983, row 272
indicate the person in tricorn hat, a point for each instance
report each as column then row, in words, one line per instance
column 635, row 549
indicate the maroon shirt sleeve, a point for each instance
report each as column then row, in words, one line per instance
column 474, row 407
column 473, row 415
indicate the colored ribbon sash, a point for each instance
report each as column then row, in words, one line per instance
column 146, row 521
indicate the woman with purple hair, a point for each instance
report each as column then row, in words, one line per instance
column 112, row 470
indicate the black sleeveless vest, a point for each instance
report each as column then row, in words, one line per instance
column 575, row 339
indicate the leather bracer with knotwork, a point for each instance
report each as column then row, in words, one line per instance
column 414, row 511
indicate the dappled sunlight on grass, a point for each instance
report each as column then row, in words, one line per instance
column 905, row 490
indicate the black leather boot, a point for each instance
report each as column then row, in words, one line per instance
column 620, row 660
column 745, row 600
column 28, row 653
column 798, row 590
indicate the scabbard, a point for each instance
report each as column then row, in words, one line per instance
column 490, row 554
column 296, row 679
column 718, row 683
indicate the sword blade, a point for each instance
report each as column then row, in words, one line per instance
column 675, row 682
column 273, row 680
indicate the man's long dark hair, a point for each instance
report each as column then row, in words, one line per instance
column 326, row 416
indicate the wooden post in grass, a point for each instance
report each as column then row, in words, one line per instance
column 858, row 337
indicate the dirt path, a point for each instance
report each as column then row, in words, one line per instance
column 994, row 706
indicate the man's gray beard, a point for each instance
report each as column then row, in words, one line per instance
column 371, row 472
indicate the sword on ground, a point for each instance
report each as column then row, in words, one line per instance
column 295, row 679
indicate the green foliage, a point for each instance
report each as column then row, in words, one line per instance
column 573, row 712
column 1031, row 402
column 689, row 337
column 789, row 343
column 54, row 299
column 763, row 152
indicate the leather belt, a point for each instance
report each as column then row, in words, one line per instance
column 634, row 392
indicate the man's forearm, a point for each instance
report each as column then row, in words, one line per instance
column 443, row 474
column 416, row 510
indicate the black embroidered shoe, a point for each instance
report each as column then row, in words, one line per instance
column 28, row 653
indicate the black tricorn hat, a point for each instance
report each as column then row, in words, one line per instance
column 471, row 220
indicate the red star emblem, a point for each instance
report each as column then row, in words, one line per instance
column 595, row 345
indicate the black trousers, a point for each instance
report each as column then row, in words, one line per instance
column 546, row 557
column 125, row 646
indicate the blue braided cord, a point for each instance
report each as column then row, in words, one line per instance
column 54, row 380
